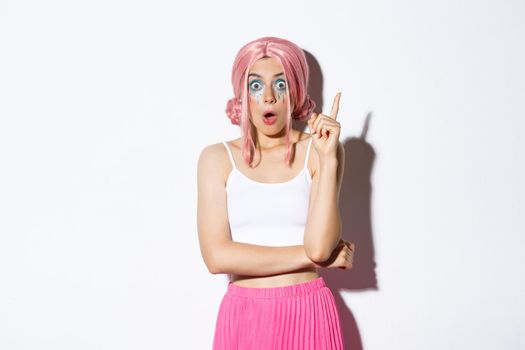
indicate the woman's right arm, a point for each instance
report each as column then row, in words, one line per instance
column 220, row 253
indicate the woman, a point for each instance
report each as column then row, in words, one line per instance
column 268, row 207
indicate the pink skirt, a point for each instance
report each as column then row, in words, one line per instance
column 299, row 316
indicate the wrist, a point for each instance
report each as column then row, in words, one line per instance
column 328, row 167
column 328, row 163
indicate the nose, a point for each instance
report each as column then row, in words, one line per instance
column 269, row 96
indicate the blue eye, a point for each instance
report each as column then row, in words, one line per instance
column 255, row 85
column 280, row 84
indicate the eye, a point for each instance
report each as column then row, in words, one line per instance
column 255, row 85
column 280, row 84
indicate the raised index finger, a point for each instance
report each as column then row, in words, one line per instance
column 335, row 106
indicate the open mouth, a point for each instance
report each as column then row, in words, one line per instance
column 269, row 118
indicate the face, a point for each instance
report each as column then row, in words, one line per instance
column 267, row 95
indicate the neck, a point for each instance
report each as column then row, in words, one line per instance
column 264, row 141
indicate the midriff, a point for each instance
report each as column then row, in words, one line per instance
column 280, row 280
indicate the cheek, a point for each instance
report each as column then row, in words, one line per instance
column 255, row 96
column 280, row 95
column 254, row 105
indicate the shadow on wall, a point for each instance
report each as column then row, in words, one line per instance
column 355, row 209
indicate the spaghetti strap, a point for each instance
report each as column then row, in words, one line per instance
column 229, row 153
column 308, row 152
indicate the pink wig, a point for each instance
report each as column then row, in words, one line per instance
column 296, row 72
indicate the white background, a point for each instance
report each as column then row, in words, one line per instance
column 105, row 107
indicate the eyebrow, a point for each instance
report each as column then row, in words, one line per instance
column 257, row 75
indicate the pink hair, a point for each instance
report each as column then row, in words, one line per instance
column 295, row 69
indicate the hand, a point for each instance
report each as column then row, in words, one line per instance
column 325, row 130
column 342, row 256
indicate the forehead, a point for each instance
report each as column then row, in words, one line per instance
column 267, row 66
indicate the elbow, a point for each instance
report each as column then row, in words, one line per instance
column 213, row 263
column 321, row 252
column 318, row 256
column 213, row 267
column 213, row 256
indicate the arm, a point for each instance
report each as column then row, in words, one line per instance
column 220, row 253
column 323, row 226
column 256, row 260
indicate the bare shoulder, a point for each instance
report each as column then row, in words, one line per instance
column 213, row 156
column 214, row 162
column 212, row 152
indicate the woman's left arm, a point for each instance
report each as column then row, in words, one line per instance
column 323, row 225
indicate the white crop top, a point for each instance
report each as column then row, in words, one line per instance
column 269, row 214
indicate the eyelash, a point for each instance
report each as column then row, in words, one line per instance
column 250, row 85
column 280, row 88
